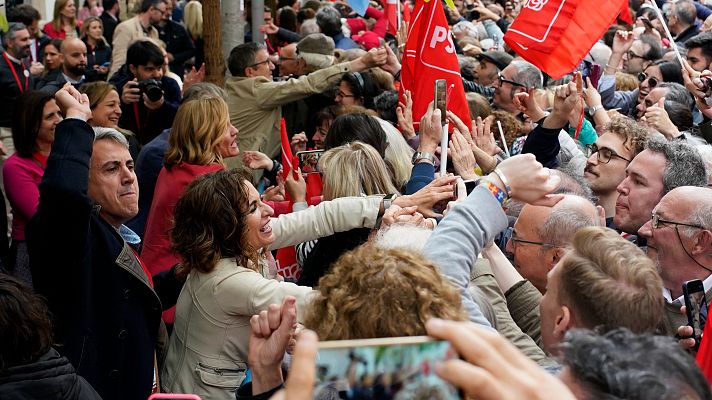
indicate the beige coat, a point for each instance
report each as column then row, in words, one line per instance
column 124, row 34
column 256, row 104
column 207, row 355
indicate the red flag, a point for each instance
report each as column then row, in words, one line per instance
column 286, row 151
column 555, row 35
column 625, row 14
column 390, row 7
column 704, row 354
column 406, row 11
column 430, row 55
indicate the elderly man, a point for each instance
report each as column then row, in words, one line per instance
column 490, row 64
column 682, row 19
column 518, row 76
column 255, row 100
column 314, row 52
column 660, row 168
column 679, row 237
column 74, row 65
column 541, row 235
column 106, row 306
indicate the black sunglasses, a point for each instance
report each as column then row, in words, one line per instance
column 652, row 81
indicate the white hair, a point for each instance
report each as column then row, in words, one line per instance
column 398, row 153
column 404, row 237
column 706, row 154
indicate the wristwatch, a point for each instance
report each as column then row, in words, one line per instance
column 593, row 110
column 423, row 155
column 387, row 202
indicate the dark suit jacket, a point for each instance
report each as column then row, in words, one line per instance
column 106, row 311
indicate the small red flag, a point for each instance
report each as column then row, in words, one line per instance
column 704, row 354
column 390, row 7
column 555, row 35
column 286, row 150
column 406, row 11
column 430, row 55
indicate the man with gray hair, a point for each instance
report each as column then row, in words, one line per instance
column 681, row 22
column 660, row 168
column 679, row 239
column 329, row 21
column 15, row 77
column 106, row 307
column 541, row 234
column 519, row 76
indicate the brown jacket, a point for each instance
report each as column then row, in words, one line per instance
column 124, row 34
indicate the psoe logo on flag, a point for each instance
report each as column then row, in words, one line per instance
column 535, row 5
column 441, row 34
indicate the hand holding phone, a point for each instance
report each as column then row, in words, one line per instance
column 696, row 307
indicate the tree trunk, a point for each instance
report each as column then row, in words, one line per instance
column 212, row 35
column 233, row 25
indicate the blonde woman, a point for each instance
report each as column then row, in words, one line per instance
column 64, row 24
column 193, row 17
column 201, row 138
column 98, row 50
column 354, row 169
column 399, row 155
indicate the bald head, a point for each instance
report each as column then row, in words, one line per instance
column 75, row 58
column 566, row 218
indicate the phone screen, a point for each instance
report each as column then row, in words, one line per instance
column 471, row 184
column 383, row 369
column 696, row 304
column 441, row 98
column 309, row 161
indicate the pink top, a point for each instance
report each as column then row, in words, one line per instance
column 22, row 177
column 156, row 249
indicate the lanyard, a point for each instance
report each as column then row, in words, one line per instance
column 14, row 73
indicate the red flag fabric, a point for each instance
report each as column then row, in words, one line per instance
column 406, row 11
column 704, row 354
column 286, row 150
column 555, row 35
column 390, row 7
column 625, row 14
column 430, row 55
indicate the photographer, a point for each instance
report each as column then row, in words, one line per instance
column 149, row 100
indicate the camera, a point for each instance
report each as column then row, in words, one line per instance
column 471, row 14
column 152, row 88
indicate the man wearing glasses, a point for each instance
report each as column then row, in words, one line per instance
column 519, row 76
column 663, row 166
column 636, row 54
column 608, row 159
column 679, row 237
column 255, row 100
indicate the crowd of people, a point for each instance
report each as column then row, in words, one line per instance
column 160, row 240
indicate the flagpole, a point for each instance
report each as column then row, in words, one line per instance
column 398, row 15
column 443, row 150
column 667, row 32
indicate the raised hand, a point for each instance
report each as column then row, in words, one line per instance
column 656, row 117
column 622, row 41
column 299, row 142
column 256, row 160
column 404, row 112
column 461, row 155
column 484, row 139
column 438, row 191
column 529, row 181
column 73, row 103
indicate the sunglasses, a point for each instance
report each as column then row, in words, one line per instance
column 652, row 81
column 503, row 80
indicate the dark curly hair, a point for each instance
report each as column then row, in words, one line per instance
column 372, row 292
column 209, row 222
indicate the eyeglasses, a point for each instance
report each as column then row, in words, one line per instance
column 604, row 154
column 267, row 61
column 656, row 221
column 515, row 240
column 339, row 93
column 503, row 80
column 630, row 55
column 652, row 81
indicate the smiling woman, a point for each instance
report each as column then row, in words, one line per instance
column 201, row 137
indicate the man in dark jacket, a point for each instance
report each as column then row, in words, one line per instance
column 141, row 114
column 74, row 65
column 15, row 77
column 110, row 18
column 106, row 306
column 179, row 45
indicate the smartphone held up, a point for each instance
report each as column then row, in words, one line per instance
column 387, row 368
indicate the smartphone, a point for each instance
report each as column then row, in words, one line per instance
column 440, row 96
column 595, row 74
column 400, row 367
column 696, row 304
column 309, row 161
column 471, row 184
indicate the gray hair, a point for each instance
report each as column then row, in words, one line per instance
column 683, row 165
column 676, row 93
column 528, row 74
column 685, row 11
column 700, row 216
column 203, row 90
column 620, row 364
column 565, row 220
column 404, row 237
column 706, row 154
column 110, row 134
column 12, row 29
column 329, row 21
column 308, row 27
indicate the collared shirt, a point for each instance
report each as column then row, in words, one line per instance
column 680, row 301
column 73, row 81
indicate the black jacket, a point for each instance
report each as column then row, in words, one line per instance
column 9, row 91
column 178, row 43
column 109, row 26
column 97, row 56
column 51, row 377
column 107, row 316
column 148, row 123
